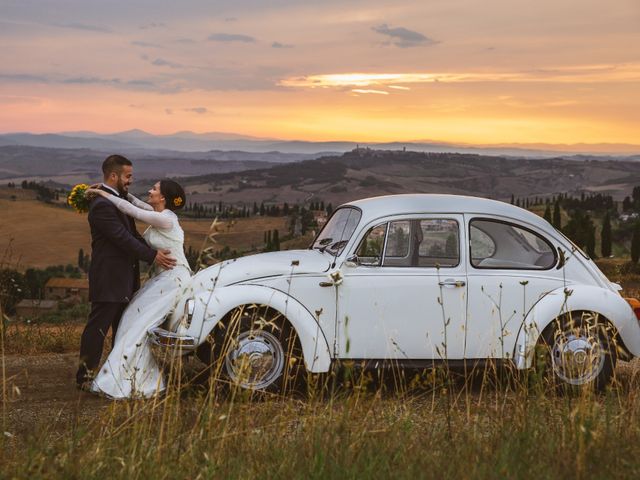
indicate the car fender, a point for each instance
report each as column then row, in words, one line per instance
column 574, row 298
column 212, row 306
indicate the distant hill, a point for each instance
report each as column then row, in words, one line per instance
column 70, row 166
column 363, row 173
column 185, row 141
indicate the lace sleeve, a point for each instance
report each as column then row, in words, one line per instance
column 139, row 203
column 157, row 219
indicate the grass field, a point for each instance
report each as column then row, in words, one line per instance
column 34, row 234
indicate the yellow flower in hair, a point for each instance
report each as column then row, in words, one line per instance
column 177, row 201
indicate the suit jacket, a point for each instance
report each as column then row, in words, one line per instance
column 116, row 247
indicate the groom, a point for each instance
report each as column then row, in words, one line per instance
column 114, row 275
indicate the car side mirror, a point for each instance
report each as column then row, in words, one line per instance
column 352, row 261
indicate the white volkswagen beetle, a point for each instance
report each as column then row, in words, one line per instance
column 413, row 280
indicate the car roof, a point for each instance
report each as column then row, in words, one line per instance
column 378, row 207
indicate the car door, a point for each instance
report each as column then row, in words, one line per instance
column 510, row 267
column 404, row 296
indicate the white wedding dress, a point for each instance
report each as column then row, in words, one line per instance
column 130, row 371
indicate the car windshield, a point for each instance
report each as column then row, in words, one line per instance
column 336, row 233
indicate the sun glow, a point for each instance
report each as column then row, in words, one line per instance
column 572, row 74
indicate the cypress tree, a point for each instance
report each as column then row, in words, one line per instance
column 547, row 213
column 81, row 259
column 557, row 220
column 635, row 194
column 276, row 240
column 591, row 240
column 605, row 236
column 635, row 243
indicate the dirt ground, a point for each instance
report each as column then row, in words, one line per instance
column 41, row 390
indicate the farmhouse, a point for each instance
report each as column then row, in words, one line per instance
column 59, row 287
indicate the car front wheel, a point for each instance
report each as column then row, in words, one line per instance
column 255, row 349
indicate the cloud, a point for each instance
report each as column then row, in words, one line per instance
column 163, row 84
column 571, row 74
column 161, row 62
column 231, row 19
column 168, row 111
column 92, row 80
column 281, row 45
column 230, row 37
column 185, row 40
column 83, row 26
column 153, row 25
column 198, row 110
column 138, row 43
column 364, row 90
column 23, row 77
column 403, row 37
column 135, row 84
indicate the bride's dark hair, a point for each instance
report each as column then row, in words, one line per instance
column 173, row 194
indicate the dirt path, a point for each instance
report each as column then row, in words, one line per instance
column 41, row 393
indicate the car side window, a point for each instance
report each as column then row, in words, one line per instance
column 440, row 245
column 497, row 244
column 369, row 251
column 423, row 243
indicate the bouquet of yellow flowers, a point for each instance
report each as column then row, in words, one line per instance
column 77, row 198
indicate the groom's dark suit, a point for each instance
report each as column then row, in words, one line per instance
column 114, row 276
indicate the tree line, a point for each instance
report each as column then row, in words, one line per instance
column 580, row 212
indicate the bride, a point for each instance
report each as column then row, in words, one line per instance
column 130, row 370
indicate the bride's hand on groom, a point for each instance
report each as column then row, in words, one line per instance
column 165, row 260
column 91, row 193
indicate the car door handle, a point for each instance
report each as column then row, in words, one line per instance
column 327, row 284
column 450, row 282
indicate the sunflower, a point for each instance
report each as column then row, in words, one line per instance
column 77, row 198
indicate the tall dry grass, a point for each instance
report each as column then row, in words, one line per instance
column 380, row 429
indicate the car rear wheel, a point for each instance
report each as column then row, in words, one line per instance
column 580, row 352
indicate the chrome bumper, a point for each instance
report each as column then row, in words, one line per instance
column 168, row 346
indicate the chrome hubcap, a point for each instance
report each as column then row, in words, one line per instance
column 578, row 358
column 256, row 360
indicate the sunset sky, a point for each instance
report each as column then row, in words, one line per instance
column 466, row 71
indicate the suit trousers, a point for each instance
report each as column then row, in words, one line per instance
column 104, row 315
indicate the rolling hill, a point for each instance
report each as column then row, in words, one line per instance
column 364, row 172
